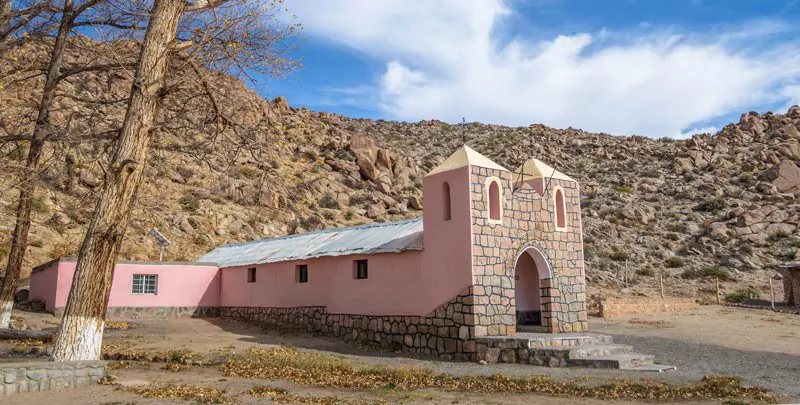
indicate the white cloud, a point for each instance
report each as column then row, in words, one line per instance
column 443, row 61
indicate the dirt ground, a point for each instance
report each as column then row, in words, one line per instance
column 759, row 346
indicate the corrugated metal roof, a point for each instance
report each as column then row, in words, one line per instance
column 387, row 237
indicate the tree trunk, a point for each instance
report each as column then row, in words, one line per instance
column 81, row 331
column 43, row 335
column 70, row 160
column 42, row 129
column 5, row 16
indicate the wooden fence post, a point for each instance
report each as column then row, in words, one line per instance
column 718, row 302
column 771, row 294
column 661, row 282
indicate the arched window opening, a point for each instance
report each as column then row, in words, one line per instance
column 494, row 201
column 446, row 201
column 561, row 214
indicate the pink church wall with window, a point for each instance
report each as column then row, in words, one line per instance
column 178, row 284
column 447, row 258
column 389, row 289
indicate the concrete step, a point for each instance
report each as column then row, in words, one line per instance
column 658, row 368
column 550, row 342
column 596, row 350
column 625, row 361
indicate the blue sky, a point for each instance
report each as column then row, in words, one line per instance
column 649, row 67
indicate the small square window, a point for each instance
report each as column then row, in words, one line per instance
column 144, row 284
column 251, row 275
column 302, row 273
column 361, row 269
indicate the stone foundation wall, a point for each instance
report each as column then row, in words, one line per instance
column 613, row 307
column 447, row 332
column 155, row 312
column 49, row 376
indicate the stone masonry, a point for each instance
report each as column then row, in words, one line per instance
column 447, row 332
column 49, row 376
column 527, row 221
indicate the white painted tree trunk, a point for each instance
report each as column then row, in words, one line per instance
column 5, row 313
column 87, row 341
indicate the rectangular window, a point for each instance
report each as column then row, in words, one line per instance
column 361, row 269
column 144, row 284
column 251, row 275
column 302, row 273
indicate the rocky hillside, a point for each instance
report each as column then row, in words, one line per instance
column 680, row 209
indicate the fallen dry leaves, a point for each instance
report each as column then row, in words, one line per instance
column 26, row 342
column 282, row 396
column 112, row 325
column 123, row 351
column 203, row 395
column 328, row 371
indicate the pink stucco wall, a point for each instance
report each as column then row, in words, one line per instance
column 389, row 288
column 179, row 285
column 447, row 257
column 44, row 285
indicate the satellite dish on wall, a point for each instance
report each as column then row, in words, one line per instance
column 162, row 242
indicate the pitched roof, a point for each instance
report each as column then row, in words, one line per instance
column 536, row 169
column 465, row 156
column 390, row 237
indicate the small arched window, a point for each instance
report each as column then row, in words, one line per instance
column 494, row 201
column 561, row 209
column 446, row 201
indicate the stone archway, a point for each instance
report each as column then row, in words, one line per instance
column 532, row 273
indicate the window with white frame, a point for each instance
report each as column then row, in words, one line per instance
column 144, row 284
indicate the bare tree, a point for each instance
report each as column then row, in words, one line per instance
column 207, row 37
column 19, row 239
column 43, row 128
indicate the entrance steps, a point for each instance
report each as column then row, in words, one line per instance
column 565, row 350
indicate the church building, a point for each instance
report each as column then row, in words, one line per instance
column 496, row 252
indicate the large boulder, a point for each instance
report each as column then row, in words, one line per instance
column 366, row 155
column 785, row 177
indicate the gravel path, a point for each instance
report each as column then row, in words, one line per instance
column 776, row 371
